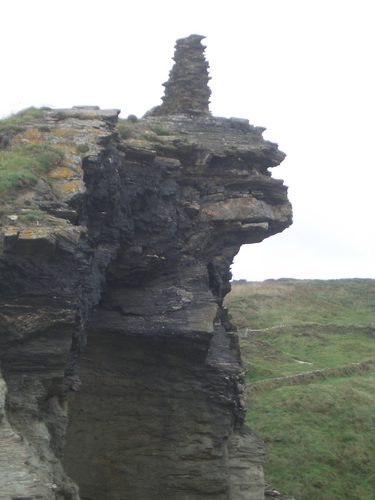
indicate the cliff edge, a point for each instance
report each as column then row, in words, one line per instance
column 121, row 373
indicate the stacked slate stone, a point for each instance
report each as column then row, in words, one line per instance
column 187, row 91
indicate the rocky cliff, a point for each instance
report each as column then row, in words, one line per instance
column 121, row 373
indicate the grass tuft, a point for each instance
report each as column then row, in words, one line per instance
column 125, row 128
column 32, row 215
column 132, row 119
column 83, row 148
column 160, row 130
column 23, row 165
column 44, row 128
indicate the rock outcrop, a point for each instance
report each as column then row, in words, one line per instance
column 187, row 91
column 121, row 274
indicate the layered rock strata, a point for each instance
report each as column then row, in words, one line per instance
column 187, row 89
column 124, row 277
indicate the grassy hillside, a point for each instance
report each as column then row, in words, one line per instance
column 276, row 302
column 24, row 160
column 319, row 428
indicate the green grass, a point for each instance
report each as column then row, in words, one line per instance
column 133, row 128
column 23, row 163
column 44, row 128
column 274, row 353
column 319, row 431
column 126, row 126
column 271, row 303
column 22, row 166
column 25, row 116
column 320, row 437
column 32, row 215
column 83, row 148
column 26, row 163
column 160, row 130
column 132, row 118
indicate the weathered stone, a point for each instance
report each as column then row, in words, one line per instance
column 186, row 91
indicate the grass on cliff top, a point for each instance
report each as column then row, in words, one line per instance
column 16, row 120
column 21, row 167
column 131, row 127
column 25, row 162
column 319, row 431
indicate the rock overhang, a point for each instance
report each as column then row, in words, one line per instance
column 125, row 277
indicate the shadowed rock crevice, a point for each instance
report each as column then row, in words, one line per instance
column 122, row 373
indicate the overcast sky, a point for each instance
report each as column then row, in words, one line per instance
column 302, row 68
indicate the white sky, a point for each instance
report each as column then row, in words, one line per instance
column 302, row 68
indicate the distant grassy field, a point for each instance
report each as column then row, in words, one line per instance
column 320, row 429
column 276, row 302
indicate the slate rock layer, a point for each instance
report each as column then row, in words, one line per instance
column 122, row 376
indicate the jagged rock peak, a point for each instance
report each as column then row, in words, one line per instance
column 187, row 91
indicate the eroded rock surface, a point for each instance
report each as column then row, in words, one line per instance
column 124, row 279
column 187, row 91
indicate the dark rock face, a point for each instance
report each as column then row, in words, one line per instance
column 125, row 280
